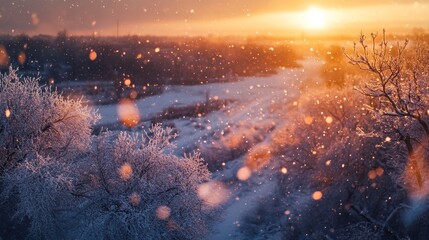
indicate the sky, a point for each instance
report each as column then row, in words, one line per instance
column 210, row 17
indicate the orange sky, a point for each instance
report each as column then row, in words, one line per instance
column 203, row 17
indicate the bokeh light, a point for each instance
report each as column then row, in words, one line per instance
column 35, row 19
column 372, row 174
column 4, row 57
column 128, row 113
column 163, row 212
column 317, row 195
column 92, row 55
column 244, row 173
column 135, row 199
column 7, row 112
column 308, row 120
column 379, row 171
column 127, row 82
column 22, row 58
column 213, row 193
column 126, row 171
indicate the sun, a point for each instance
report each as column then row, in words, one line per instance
column 315, row 18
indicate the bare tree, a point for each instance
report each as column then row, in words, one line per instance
column 398, row 87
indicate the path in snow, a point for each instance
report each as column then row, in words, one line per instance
column 257, row 110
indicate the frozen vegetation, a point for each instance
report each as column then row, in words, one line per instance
column 69, row 184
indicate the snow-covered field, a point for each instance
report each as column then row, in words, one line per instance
column 258, row 102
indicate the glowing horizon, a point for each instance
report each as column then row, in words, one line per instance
column 309, row 19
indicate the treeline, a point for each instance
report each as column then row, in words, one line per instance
column 143, row 60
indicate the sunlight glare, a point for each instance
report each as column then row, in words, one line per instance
column 315, row 18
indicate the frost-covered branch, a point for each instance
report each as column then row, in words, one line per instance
column 112, row 186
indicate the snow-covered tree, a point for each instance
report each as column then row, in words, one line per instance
column 131, row 187
column 72, row 185
column 38, row 121
column 398, row 86
column 41, row 132
column 38, row 187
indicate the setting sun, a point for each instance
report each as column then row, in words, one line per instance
column 315, row 18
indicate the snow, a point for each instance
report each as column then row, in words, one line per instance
column 241, row 203
column 252, row 93
column 258, row 101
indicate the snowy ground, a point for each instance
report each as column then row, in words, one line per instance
column 258, row 102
